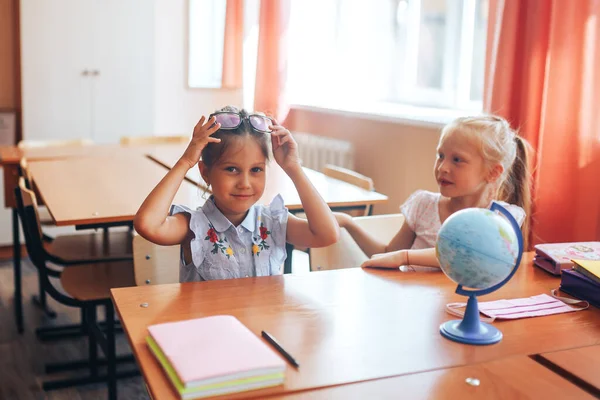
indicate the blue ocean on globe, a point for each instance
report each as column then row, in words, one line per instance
column 477, row 248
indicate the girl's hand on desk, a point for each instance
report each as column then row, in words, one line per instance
column 285, row 148
column 200, row 138
column 393, row 259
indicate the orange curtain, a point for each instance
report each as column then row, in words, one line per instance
column 543, row 75
column 271, row 66
column 233, row 44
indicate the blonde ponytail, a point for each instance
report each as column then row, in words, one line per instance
column 516, row 188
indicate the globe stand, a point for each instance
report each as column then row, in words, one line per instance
column 470, row 329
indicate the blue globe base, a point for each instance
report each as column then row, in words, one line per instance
column 486, row 334
column 470, row 329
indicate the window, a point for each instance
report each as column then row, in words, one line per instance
column 206, row 35
column 428, row 53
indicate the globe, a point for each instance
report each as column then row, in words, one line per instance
column 478, row 249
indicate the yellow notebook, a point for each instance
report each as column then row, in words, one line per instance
column 589, row 268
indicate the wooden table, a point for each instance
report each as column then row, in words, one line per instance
column 337, row 194
column 10, row 157
column 351, row 325
column 583, row 363
column 102, row 190
column 515, row 377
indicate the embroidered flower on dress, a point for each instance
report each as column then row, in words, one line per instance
column 260, row 240
column 212, row 235
column 263, row 232
column 218, row 244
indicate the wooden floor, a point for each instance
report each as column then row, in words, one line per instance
column 22, row 357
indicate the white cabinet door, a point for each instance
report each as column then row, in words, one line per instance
column 87, row 69
column 55, row 52
column 123, row 57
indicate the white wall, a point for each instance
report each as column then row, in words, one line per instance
column 177, row 107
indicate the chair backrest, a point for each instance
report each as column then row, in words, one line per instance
column 139, row 140
column 24, row 172
column 28, row 207
column 27, row 210
column 154, row 264
column 347, row 175
column 346, row 253
column 30, row 144
column 351, row 177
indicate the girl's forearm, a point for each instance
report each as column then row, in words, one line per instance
column 424, row 257
column 155, row 209
column 321, row 221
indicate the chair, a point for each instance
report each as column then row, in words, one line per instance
column 346, row 253
column 351, row 177
column 85, row 286
column 154, row 264
column 70, row 250
column 139, row 140
column 30, row 144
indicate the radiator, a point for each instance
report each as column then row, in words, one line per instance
column 316, row 151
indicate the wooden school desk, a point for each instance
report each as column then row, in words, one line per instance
column 10, row 156
column 516, row 377
column 351, row 325
column 101, row 190
column 582, row 363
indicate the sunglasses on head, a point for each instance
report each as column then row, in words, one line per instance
column 230, row 120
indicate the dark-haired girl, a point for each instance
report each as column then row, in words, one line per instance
column 231, row 235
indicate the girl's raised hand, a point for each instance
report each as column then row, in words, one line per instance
column 200, row 138
column 285, row 148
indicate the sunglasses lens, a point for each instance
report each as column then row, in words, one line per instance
column 260, row 123
column 228, row 120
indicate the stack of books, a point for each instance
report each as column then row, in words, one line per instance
column 555, row 257
column 214, row 356
column 583, row 281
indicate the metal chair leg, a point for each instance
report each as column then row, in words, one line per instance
column 111, row 352
column 91, row 318
column 287, row 265
column 40, row 301
column 18, row 297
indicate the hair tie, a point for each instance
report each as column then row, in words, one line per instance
column 516, row 138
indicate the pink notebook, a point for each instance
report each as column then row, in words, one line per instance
column 215, row 349
column 554, row 257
